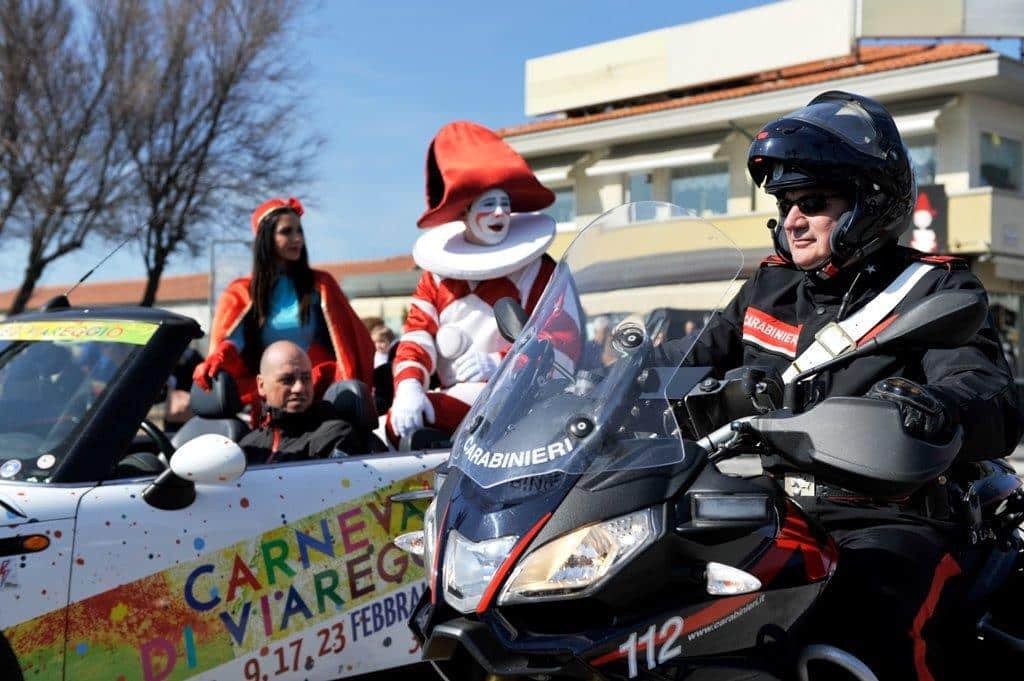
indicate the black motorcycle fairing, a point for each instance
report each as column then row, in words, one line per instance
column 708, row 634
column 858, row 443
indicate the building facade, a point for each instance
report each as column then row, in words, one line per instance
column 958, row 105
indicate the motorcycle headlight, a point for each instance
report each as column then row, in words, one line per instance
column 469, row 568
column 581, row 560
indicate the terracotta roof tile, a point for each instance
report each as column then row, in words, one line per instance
column 872, row 59
column 183, row 288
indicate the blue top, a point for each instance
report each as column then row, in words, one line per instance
column 283, row 321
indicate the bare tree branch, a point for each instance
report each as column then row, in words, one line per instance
column 206, row 91
column 62, row 166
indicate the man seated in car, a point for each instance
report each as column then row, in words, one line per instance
column 295, row 427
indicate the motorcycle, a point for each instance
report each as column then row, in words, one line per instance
column 583, row 526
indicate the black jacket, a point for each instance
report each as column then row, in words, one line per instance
column 313, row 434
column 776, row 313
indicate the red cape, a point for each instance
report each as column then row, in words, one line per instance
column 352, row 347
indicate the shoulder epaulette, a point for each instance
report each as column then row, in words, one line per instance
column 948, row 262
column 775, row 260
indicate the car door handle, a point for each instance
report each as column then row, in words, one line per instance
column 415, row 495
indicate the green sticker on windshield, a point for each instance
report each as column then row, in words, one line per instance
column 99, row 331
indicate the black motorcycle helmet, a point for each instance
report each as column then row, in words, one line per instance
column 848, row 142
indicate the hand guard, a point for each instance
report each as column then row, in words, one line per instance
column 410, row 406
column 924, row 416
column 476, row 366
column 223, row 356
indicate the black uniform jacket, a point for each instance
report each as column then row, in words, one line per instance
column 776, row 313
column 313, row 434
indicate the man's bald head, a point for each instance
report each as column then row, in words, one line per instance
column 285, row 380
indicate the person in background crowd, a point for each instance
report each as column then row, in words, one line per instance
column 284, row 299
column 295, row 426
column 483, row 243
column 383, row 338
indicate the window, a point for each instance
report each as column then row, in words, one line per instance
column 1000, row 161
column 922, row 158
column 703, row 189
column 563, row 210
column 641, row 188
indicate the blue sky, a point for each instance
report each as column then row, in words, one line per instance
column 381, row 78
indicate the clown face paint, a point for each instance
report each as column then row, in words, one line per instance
column 488, row 218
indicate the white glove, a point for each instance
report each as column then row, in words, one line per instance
column 476, row 366
column 409, row 407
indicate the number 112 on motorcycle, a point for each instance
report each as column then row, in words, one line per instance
column 666, row 638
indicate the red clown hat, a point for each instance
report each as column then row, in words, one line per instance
column 465, row 160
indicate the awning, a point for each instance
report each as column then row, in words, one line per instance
column 670, row 153
column 554, row 169
column 920, row 119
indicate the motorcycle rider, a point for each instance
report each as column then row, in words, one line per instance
column 845, row 190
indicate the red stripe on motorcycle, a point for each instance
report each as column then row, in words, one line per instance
column 499, row 576
column 794, row 536
column 946, row 569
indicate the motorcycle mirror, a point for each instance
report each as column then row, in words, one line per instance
column 510, row 317
column 947, row 319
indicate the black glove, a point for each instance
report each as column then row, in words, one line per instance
column 762, row 385
column 924, row 416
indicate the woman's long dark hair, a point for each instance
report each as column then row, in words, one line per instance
column 264, row 276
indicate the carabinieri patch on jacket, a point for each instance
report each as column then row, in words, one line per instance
column 764, row 330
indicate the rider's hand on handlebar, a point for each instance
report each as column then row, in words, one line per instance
column 762, row 384
column 924, row 416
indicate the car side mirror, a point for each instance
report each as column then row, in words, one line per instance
column 510, row 317
column 207, row 459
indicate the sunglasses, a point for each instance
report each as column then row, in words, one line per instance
column 811, row 204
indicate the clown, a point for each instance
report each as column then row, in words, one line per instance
column 485, row 243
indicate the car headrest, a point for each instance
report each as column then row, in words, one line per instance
column 352, row 400
column 222, row 400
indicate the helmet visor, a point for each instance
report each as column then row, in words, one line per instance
column 846, row 119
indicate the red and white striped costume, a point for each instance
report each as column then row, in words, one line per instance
column 469, row 306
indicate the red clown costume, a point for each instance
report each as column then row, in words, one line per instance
column 485, row 242
column 350, row 354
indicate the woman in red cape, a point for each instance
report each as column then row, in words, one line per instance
column 285, row 299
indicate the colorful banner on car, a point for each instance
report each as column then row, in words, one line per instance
column 308, row 599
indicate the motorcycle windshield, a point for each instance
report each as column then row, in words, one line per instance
column 586, row 386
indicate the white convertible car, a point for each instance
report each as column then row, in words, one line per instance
column 125, row 558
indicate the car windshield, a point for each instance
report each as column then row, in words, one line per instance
column 52, row 376
column 585, row 386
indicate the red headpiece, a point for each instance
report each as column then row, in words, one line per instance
column 271, row 205
column 465, row 160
